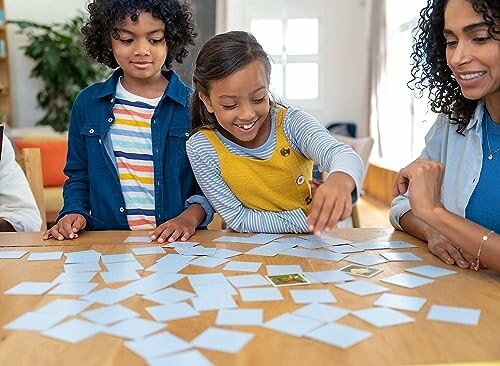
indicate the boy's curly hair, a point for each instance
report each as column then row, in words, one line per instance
column 104, row 15
column 430, row 70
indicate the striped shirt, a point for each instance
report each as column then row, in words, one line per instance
column 306, row 135
column 131, row 140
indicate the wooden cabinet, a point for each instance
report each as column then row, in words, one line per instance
column 5, row 87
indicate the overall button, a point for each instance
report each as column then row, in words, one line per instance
column 300, row 180
column 308, row 200
column 91, row 130
column 110, row 120
column 100, row 141
column 285, row 151
column 122, row 209
column 186, row 134
column 112, row 100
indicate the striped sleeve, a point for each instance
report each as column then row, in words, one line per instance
column 206, row 168
column 309, row 137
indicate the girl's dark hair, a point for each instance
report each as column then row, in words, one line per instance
column 221, row 56
column 430, row 70
column 105, row 14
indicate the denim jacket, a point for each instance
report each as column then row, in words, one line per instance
column 463, row 157
column 93, row 187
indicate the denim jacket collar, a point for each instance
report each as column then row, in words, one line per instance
column 176, row 89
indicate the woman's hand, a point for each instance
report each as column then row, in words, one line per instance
column 442, row 247
column 331, row 202
column 422, row 180
column 66, row 228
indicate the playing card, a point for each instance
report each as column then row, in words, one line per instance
column 362, row 271
column 288, row 279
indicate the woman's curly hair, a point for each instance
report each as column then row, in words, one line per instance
column 105, row 14
column 430, row 70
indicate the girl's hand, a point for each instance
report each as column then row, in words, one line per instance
column 66, row 228
column 181, row 227
column 315, row 183
column 422, row 180
column 331, row 203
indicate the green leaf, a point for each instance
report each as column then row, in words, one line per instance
column 60, row 64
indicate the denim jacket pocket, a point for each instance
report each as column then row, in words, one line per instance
column 95, row 148
column 176, row 147
column 179, row 132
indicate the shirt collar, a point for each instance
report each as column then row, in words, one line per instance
column 176, row 89
column 475, row 121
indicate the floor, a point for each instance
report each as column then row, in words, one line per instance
column 372, row 213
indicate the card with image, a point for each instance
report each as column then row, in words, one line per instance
column 288, row 279
column 361, row 271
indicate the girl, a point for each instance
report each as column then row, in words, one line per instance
column 127, row 166
column 457, row 55
column 253, row 158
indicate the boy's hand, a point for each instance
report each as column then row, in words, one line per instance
column 66, row 228
column 181, row 227
column 331, row 203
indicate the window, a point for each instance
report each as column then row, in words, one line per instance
column 293, row 45
column 404, row 119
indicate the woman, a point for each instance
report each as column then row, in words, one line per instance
column 452, row 192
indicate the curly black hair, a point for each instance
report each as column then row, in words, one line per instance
column 430, row 70
column 104, row 15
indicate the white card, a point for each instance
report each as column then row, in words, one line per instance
column 165, row 313
column 108, row 296
column 338, row 335
column 362, row 288
column 109, row 314
column 222, row 340
column 239, row 317
column 157, row 345
column 147, row 250
column 242, row 266
column 73, row 331
column 312, row 296
column 401, row 302
column 293, row 324
column 12, row 254
column 73, row 288
column 134, row 328
column 30, row 288
column 430, row 271
column 407, row 280
column 260, row 294
column 248, row 280
column 366, row 259
column 453, row 314
column 45, row 256
column 382, row 317
column 322, row 312
column 401, row 256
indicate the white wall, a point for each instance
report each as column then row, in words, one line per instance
column 344, row 65
column 344, row 75
column 23, row 88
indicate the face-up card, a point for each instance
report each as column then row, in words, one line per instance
column 288, row 279
column 362, row 271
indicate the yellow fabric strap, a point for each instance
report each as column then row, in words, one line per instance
column 279, row 183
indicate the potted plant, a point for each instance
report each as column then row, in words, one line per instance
column 61, row 65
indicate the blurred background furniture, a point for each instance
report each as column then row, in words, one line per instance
column 53, row 148
column 31, row 163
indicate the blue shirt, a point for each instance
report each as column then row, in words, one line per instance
column 484, row 203
column 93, row 187
column 462, row 156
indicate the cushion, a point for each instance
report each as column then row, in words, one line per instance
column 53, row 152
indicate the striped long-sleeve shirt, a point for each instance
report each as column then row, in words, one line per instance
column 307, row 136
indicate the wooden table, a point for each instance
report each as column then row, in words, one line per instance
column 421, row 342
